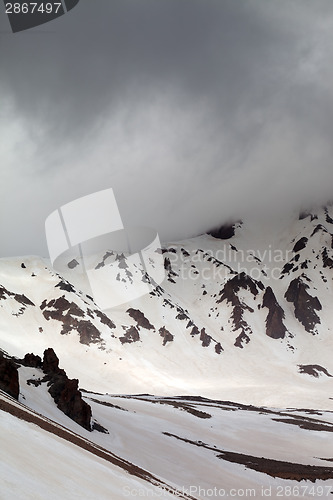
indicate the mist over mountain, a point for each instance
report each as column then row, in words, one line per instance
column 237, row 336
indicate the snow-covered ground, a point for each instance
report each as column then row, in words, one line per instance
column 201, row 333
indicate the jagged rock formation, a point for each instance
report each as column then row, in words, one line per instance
column 274, row 324
column 65, row 391
column 9, row 379
column 229, row 293
column 32, row 360
column 305, row 305
column 140, row 318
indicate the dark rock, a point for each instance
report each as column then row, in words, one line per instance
column 51, row 362
column 104, row 319
column 140, row 318
column 305, row 304
column 32, row 360
column 65, row 285
column 274, row 324
column 218, row 348
column 68, row 313
column 166, row 335
column 69, row 400
column 195, row 331
column 34, row 381
column 131, row 335
column 9, row 377
column 20, row 298
column 23, row 265
column 328, row 218
column 313, row 370
column 241, row 281
column 56, row 308
column 300, row 244
column 224, row 232
column 65, row 391
column 242, row 337
column 327, row 261
column 99, row 428
column 205, row 338
column 318, row 228
column 87, row 331
column 229, row 294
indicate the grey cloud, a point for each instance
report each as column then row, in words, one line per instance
column 194, row 111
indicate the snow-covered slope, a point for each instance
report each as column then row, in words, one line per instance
column 243, row 318
column 235, row 344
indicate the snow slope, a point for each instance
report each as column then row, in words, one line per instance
column 236, row 342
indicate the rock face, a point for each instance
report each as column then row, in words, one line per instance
column 65, row 391
column 68, row 313
column 140, row 318
column 51, row 362
column 274, row 324
column 32, row 361
column 229, row 293
column 224, row 232
column 9, row 379
column 305, row 304
column 68, row 398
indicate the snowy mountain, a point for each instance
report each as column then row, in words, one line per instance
column 234, row 344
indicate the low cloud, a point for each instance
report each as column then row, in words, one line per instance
column 194, row 112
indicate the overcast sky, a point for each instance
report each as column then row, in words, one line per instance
column 193, row 111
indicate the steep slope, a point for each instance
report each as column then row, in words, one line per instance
column 235, row 318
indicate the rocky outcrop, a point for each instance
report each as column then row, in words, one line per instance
column 300, row 244
column 229, row 293
column 131, row 335
column 51, row 362
column 20, row 298
column 205, row 338
column 274, row 324
column 327, row 261
column 9, row 378
column 314, row 370
column 224, row 232
column 68, row 313
column 67, row 397
column 140, row 318
column 305, row 305
column 31, row 360
column 166, row 335
column 65, row 391
column 104, row 319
